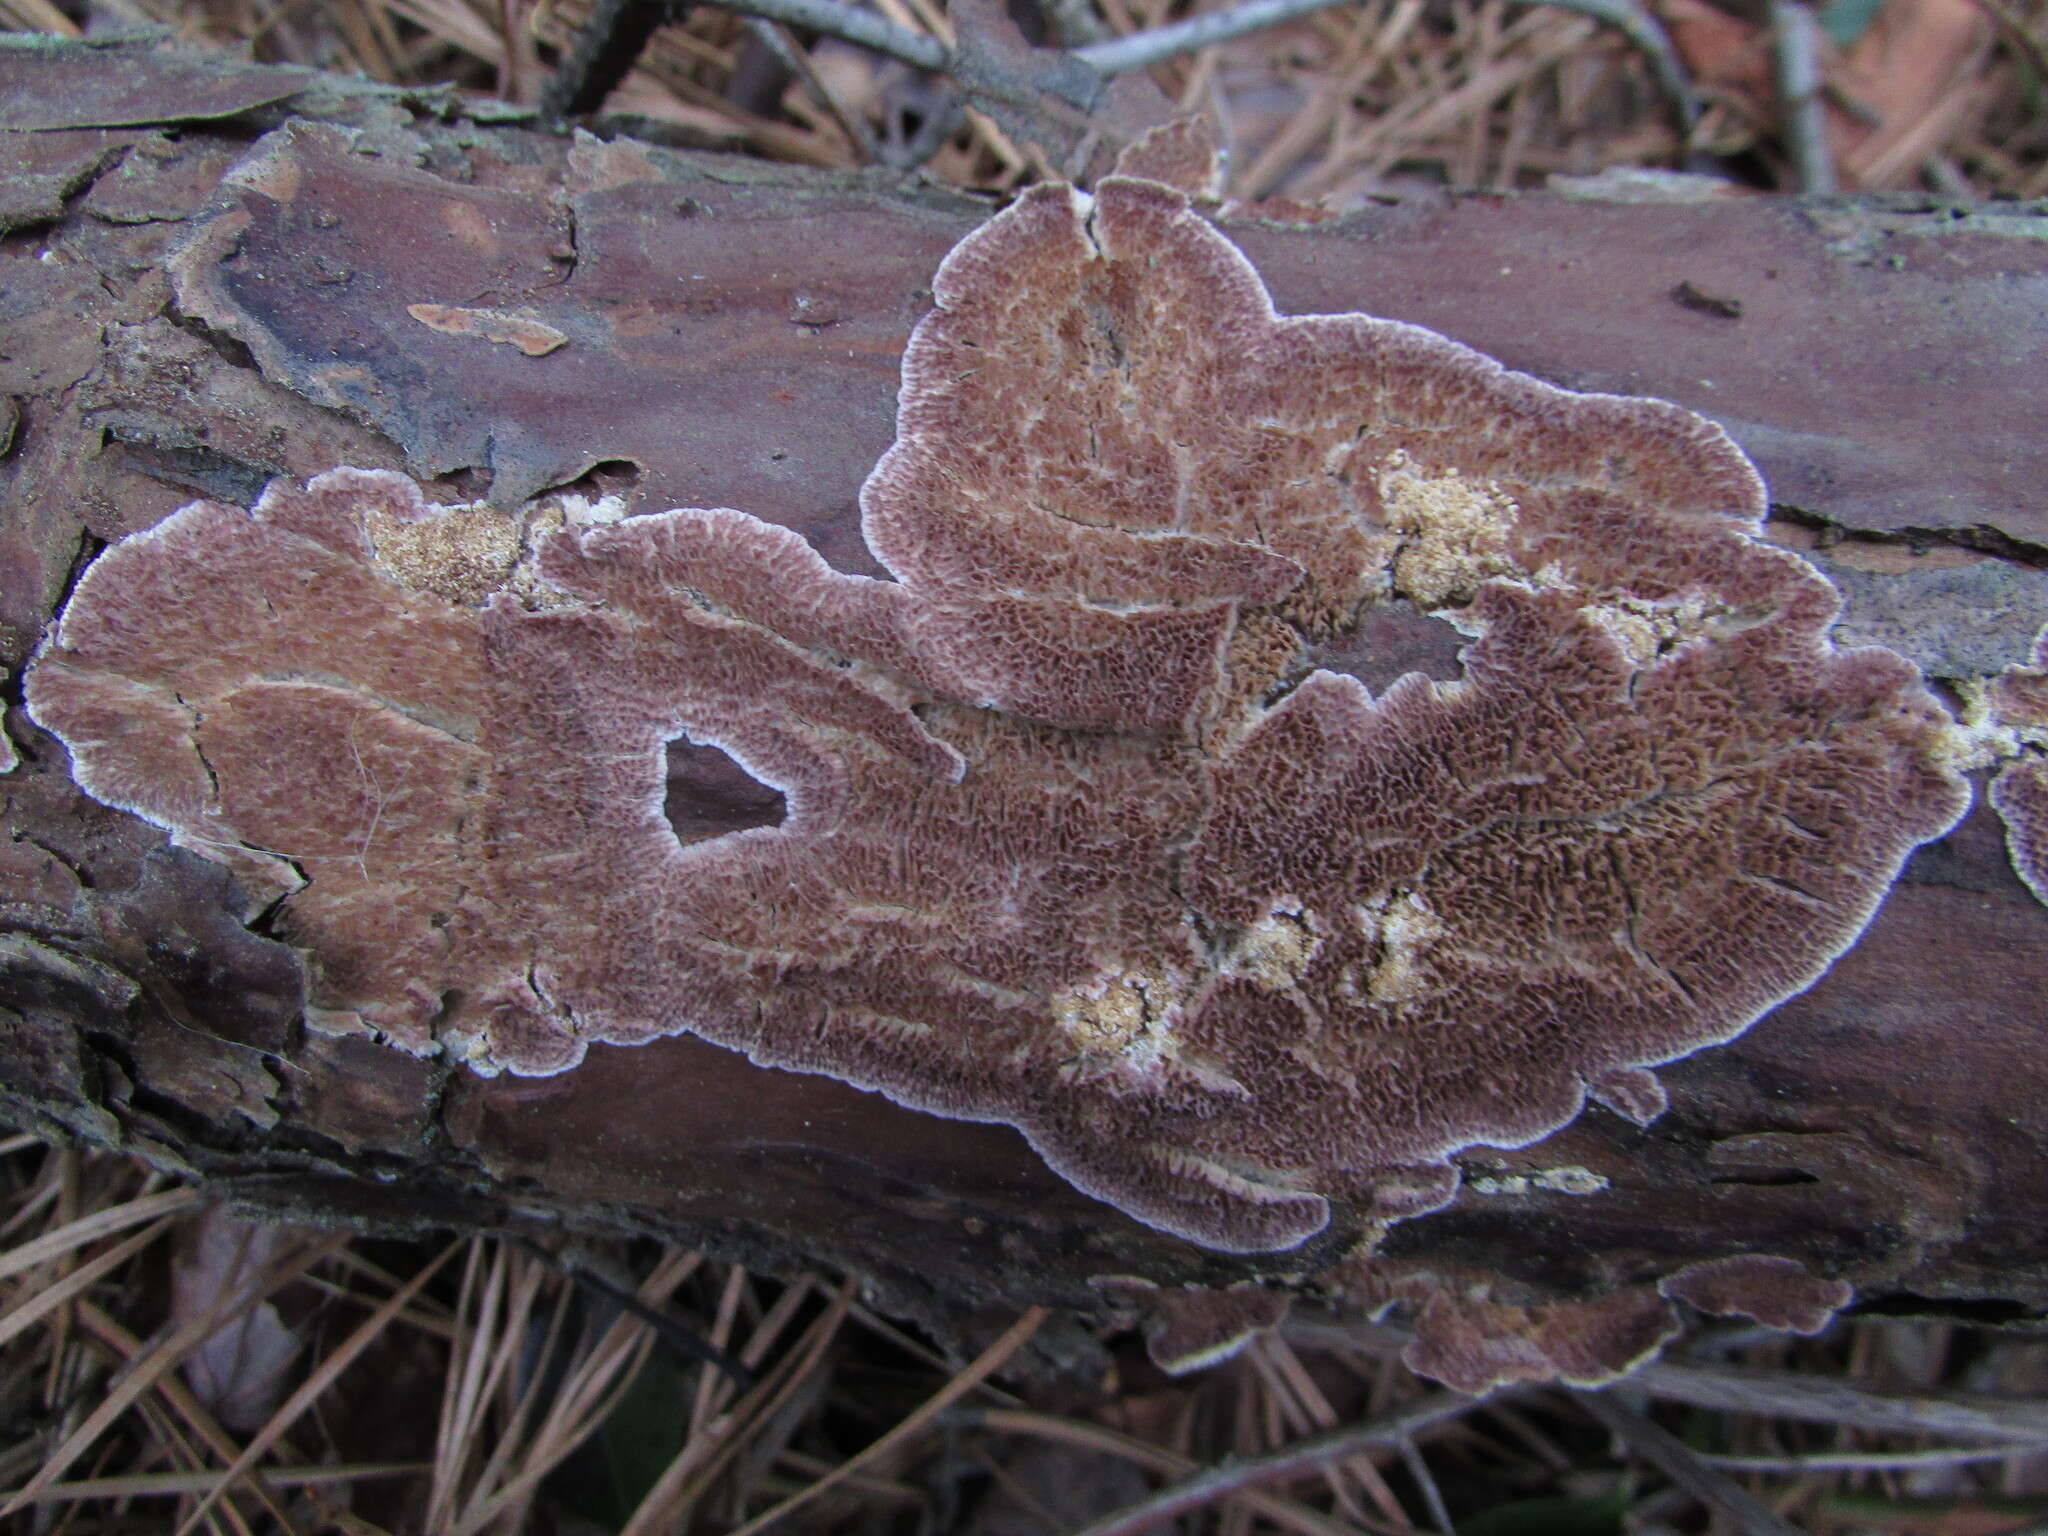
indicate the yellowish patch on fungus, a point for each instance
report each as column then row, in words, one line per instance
column 1119, row 1015
column 1645, row 630
column 1276, row 952
column 463, row 554
column 1985, row 731
column 1404, row 929
column 1455, row 531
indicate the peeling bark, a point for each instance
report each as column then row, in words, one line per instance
column 194, row 312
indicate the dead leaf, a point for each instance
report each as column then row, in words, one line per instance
column 241, row 1370
column 1906, row 69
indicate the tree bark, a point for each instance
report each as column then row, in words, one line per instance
column 169, row 330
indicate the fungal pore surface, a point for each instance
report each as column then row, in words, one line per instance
column 1086, row 821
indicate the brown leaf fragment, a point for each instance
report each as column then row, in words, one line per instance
column 241, row 1369
column 533, row 337
column 1907, row 71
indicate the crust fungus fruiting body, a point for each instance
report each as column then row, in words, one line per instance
column 1475, row 1332
column 1083, row 821
column 1188, row 1329
column 1779, row 1293
column 2019, row 702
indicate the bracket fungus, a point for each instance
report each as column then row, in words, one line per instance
column 1083, row 824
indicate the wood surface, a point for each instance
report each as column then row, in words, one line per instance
column 168, row 330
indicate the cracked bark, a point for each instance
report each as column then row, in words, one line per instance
column 733, row 335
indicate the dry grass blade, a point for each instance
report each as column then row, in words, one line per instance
column 86, row 1229
column 1869, row 1461
column 143, row 1485
column 1676, row 1461
column 705, row 1456
column 164, row 1358
column 1305, row 1409
column 331, row 1366
column 179, row 1397
column 167, row 1434
column 987, row 1363
column 464, row 1393
column 1154, row 1458
column 1770, row 1393
column 576, row 1406
column 38, row 16
column 491, row 1348
column 1386, row 1432
column 40, row 1303
column 1784, row 1394
column 1425, row 1483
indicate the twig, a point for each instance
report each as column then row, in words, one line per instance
column 863, row 29
column 1073, row 22
column 1387, row 1432
column 1775, row 1394
column 1871, row 1461
column 1671, row 1455
column 2016, row 36
column 1797, row 36
column 1156, row 1458
column 1141, row 50
column 683, row 1342
column 1425, row 1484
column 792, row 58
column 1636, row 24
column 2011, row 1420
column 609, row 45
column 940, row 124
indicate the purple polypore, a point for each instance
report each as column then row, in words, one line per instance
column 1074, row 830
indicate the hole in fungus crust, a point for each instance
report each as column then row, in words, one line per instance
column 709, row 794
column 1081, row 836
